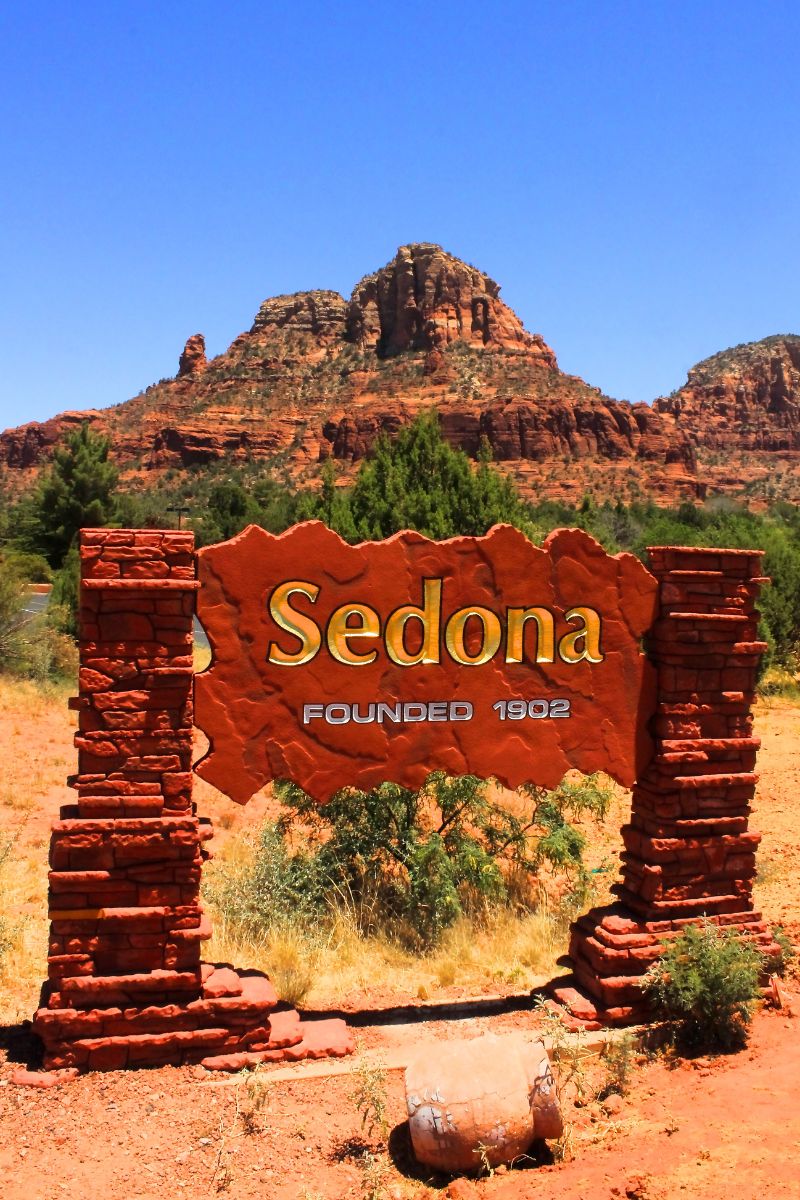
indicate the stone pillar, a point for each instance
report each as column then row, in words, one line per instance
column 126, row 985
column 689, row 855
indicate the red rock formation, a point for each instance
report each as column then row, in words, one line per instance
column 28, row 445
column 318, row 377
column 321, row 315
column 426, row 298
column 193, row 360
column 747, row 398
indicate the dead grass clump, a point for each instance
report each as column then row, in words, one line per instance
column 23, row 929
column 318, row 961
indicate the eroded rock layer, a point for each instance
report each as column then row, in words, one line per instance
column 317, row 376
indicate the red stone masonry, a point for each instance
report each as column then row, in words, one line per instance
column 126, row 984
column 689, row 855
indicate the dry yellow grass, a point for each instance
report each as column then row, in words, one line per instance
column 334, row 965
column 36, row 731
column 325, row 968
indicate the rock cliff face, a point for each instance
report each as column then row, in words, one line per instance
column 193, row 360
column 25, row 447
column 319, row 315
column 425, row 299
column 747, row 398
column 740, row 410
column 317, row 377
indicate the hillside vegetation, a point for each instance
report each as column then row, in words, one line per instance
column 416, row 481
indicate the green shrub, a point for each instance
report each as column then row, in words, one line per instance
column 619, row 1056
column 34, row 568
column 411, row 863
column 418, row 481
column 788, row 953
column 274, row 890
column 30, row 648
column 62, row 612
column 13, row 619
column 76, row 491
column 405, row 864
column 705, row 985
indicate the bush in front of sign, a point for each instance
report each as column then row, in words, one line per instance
column 705, row 986
column 274, row 887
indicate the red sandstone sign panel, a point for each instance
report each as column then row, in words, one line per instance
column 337, row 665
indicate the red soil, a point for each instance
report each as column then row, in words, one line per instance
column 726, row 1127
column 704, row 1129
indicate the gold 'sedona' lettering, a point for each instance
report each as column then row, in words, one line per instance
column 567, row 646
column 576, row 645
column 428, row 616
column 545, row 634
column 298, row 625
column 339, row 632
column 455, row 632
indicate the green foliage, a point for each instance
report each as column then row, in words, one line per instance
column 277, row 889
column 221, row 501
column 411, row 863
column 29, row 645
column 62, row 612
column 705, row 985
column 12, row 617
column 406, row 864
column 418, row 482
column 619, row 1058
column 33, row 568
column 716, row 523
column 370, row 1095
column 77, row 492
column 788, row 953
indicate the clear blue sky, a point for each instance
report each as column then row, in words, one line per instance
column 628, row 172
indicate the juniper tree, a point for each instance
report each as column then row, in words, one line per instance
column 419, row 482
column 77, row 491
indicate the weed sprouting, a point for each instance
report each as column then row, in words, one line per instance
column 369, row 1094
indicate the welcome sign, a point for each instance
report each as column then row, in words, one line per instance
column 337, row 665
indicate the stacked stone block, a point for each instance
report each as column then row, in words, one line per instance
column 126, row 985
column 689, row 855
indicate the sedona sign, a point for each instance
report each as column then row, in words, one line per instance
column 340, row 665
column 336, row 664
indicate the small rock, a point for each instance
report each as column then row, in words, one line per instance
column 43, row 1079
column 462, row 1189
column 613, row 1105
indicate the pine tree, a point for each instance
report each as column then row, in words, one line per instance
column 77, row 492
column 419, row 482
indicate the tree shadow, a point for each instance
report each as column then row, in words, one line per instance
column 21, row 1045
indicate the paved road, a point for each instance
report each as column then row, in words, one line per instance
column 37, row 602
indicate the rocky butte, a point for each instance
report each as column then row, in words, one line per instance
column 318, row 377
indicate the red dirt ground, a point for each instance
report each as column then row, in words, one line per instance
column 704, row 1129
column 726, row 1127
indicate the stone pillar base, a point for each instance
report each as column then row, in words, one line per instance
column 219, row 1017
column 610, row 950
column 126, row 986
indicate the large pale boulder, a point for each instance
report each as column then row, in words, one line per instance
column 480, row 1103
